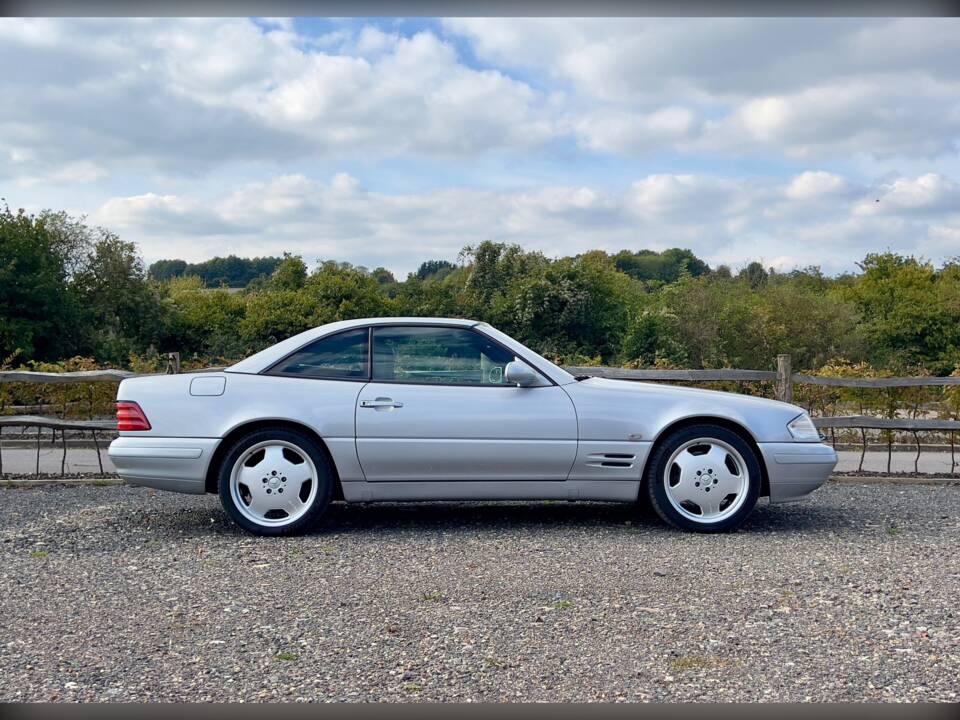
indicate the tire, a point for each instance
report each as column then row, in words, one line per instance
column 703, row 478
column 275, row 481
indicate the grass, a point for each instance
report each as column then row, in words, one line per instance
column 412, row 688
column 432, row 596
column 893, row 531
column 39, row 554
column 287, row 656
column 562, row 605
column 785, row 597
column 492, row 662
column 693, row 662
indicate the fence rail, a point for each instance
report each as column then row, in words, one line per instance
column 682, row 375
column 79, row 376
column 869, row 422
column 732, row 375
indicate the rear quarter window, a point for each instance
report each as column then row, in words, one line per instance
column 343, row 356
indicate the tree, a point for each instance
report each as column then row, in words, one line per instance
column 275, row 315
column 38, row 314
column 383, row 276
column 204, row 321
column 573, row 308
column 122, row 310
column 167, row 269
column 343, row 292
column 230, row 271
column 435, row 269
column 665, row 267
column 490, row 268
column 754, row 275
column 291, row 273
column 908, row 315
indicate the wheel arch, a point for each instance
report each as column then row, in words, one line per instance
column 726, row 423
column 214, row 467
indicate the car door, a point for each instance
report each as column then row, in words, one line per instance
column 437, row 409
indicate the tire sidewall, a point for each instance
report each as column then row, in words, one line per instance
column 324, row 481
column 657, row 492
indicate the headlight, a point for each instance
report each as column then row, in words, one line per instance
column 803, row 429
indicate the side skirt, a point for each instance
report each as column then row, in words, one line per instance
column 612, row 490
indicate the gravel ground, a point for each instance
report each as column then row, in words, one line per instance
column 120, row 593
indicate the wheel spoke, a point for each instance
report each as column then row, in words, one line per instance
column 293, row 504
column 687, row 461
column 297, row 475
column 717, row 455
column 249, row 476
column 727, row 484
column 261, row 503
column 685, row 490
column 273, row 457
column 710, row 504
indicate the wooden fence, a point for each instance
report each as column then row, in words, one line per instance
column 783, row 380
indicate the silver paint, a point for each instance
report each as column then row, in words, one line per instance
column 393, row 441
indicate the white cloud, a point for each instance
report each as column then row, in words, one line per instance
column 814, row 184
column 803, row 87
column 928, row 194
column 722, row 219
column 616, row 131
column 191, row 94
column 205, row 136
column 76, row 172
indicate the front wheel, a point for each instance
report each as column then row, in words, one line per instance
column 703, row 478
column 275, row 481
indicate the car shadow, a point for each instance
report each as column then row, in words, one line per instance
column 446, row 518
column 435, row 517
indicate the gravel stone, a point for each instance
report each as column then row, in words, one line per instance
column 127, row 594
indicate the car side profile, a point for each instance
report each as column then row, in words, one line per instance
column 403, row 409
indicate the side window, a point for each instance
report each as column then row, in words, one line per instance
column 437, row 355
column 340, row 356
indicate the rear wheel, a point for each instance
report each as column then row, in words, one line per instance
column 275, row 481
column 703, row 478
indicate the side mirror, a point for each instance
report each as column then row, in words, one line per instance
column 520, row 374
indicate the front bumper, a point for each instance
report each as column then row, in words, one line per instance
column 796, row 469
column 165, row 463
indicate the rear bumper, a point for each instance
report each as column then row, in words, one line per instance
column 176, row 464
column 796, row 469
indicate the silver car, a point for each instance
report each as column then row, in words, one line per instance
column 399, row 409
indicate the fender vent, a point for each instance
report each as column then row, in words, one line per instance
column 611, row 460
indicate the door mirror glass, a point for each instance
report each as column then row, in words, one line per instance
column 520, row 374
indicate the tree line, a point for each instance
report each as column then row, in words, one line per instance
column 67, row 289
column 230, row 271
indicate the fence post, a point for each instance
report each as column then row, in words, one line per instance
column 173, row 363
column 783, row 388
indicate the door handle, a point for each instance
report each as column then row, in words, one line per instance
column 380, row 402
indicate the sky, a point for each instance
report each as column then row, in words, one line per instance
column 389, row 141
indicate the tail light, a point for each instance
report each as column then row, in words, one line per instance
column 131, row 417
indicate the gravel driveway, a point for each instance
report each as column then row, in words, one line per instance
column 119, row 593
